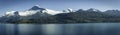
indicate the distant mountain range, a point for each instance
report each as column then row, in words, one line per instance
column 36, row 14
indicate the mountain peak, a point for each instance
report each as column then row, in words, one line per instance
column 93, row 9
column 37, row 7
column 70, row 10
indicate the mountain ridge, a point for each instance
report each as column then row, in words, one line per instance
column 36, row 14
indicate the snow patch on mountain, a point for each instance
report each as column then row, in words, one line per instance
column 52, row 12
column 26, row 13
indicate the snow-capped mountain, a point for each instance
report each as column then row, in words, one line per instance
column 36, row 14
column 35, row 9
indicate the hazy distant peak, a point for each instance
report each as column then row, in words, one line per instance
column 80, row 10
column 93, row 9
column 113, row 11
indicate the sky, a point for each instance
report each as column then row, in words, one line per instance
column 21, row 5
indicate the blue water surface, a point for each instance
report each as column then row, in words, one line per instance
column 61, row 29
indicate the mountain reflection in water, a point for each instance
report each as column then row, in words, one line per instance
column 61, row 29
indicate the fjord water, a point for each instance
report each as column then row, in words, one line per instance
column 61, row 29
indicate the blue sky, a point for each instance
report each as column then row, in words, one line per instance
column 19, row 5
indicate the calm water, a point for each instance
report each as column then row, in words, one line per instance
column 61, row 29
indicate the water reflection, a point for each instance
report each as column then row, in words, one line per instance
column 60, row 29
column 2, row 29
